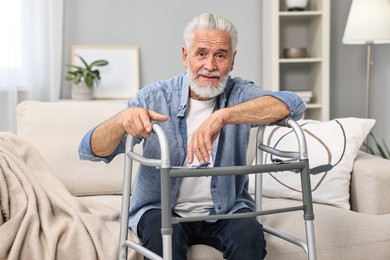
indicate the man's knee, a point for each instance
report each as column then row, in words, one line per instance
column 150, row 223
column 246, row 237
column 149, row 230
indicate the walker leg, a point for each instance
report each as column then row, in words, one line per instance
column 167, row 247
column 311, row 244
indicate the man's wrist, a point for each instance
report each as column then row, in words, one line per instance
column 223, row 116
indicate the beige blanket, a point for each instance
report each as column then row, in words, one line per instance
column 40, row 219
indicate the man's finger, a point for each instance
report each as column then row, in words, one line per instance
column 146, row 121
column 190, row 154
column 152, row 116
column 208, row 145
column 157, row 117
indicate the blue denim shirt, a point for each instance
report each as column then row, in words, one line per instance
column 170, row 98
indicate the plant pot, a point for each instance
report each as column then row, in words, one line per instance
column 82, row 92
column 296, row 5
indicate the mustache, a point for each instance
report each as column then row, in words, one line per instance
column 209, row 73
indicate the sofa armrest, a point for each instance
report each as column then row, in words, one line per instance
column 370, row 183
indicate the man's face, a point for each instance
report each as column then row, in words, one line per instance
column 208, row 62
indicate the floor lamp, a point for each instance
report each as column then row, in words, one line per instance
column 368, row 23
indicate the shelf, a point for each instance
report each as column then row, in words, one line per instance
column 313, row 105
column 301, row 60
column 300, row 14
column 308, row 29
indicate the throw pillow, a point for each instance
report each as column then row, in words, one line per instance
column 332, row 148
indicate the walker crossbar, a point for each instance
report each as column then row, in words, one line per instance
column 236, row 215
column 299, row 163
column 235, row 170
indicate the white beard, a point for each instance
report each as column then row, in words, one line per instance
column 207, row 91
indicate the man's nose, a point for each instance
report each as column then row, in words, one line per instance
column 210, row 64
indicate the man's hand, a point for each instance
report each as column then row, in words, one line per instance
column 135, row 121
column 138, row 121
column 261, row 110
column 202, row 139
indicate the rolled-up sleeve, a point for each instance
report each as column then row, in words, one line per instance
column 293, row 101
column 85, row 150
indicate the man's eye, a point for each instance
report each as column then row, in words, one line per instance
column 220, row 57
column 201, row 55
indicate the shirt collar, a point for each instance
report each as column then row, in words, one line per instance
column 222, row 98
column 185, row 93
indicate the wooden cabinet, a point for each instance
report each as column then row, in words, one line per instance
column 307, row 29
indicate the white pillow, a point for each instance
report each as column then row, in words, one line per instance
column 332, row 144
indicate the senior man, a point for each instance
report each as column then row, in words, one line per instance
column 207, row 116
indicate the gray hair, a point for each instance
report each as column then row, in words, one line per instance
column 210, row 21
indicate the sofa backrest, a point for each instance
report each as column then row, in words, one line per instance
column 56, row 130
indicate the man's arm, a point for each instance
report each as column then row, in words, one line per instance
column 262, row 110
column 134, row 121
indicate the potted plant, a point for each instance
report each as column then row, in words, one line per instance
column 84, row 78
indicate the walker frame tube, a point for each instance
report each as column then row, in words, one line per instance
column 301, row 163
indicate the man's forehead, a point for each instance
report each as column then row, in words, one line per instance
column 214, row 39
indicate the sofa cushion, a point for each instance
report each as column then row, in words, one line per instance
column 56, row 130
column 332, row 148
column 340, row 233
column 337, row 235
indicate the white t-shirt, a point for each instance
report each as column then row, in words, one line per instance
column 194, row 196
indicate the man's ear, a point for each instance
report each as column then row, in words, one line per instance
column 234, row 56
column 184, row 56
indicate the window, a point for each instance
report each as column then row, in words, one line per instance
column 10, row 31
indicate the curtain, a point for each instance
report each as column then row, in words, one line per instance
column 30, row 54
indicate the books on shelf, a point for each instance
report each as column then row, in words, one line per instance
column 306, row 95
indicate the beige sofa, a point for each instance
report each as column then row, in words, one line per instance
column 56, row 129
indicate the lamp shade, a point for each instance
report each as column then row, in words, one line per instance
column 368, row 22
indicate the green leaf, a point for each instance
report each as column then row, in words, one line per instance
column 75, row 67
column 381, row 150
column 69, row 77
column 96, row 73
column 382, row 153
column 89, row 81
column 385, row 148
column 99, row 63
column 85, row 63
column 77, row 79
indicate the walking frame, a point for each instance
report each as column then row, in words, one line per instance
column 299, row 163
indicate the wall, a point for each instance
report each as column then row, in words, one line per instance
column 156, row 27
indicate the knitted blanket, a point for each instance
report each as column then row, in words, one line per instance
column 40, row 219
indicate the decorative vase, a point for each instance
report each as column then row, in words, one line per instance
column 296, row 5
column 82, row 92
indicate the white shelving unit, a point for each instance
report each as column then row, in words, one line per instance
column 309, row 29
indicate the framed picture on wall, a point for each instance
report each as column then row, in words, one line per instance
column 120, row 79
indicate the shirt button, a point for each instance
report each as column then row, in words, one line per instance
column 214, row 186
